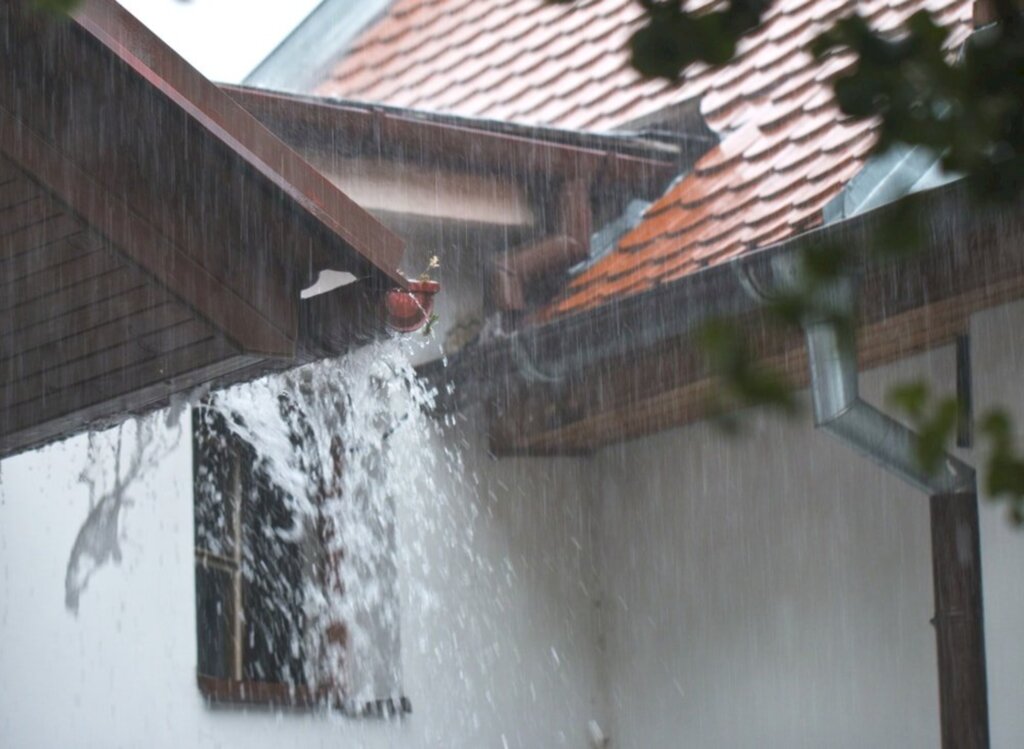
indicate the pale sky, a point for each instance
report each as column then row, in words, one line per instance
column 224, row 39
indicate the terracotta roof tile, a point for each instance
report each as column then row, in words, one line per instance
column 813, row 124
column 785, row 149
column 799, row 83
column 465, row 57
column 743, row 142
column 788, row 23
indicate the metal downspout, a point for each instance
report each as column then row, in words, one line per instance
column 956, row 549
column 839, row 410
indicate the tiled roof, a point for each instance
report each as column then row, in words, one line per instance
column 785, row 149
column 521, row 61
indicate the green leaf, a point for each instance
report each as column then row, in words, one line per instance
column 715, row 42
column 910, row 397
column 659, row 49
column 822, row 263
column 743, row 381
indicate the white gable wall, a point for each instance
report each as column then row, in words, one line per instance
column 997, row 353
column 501, row 654
column 770, row 591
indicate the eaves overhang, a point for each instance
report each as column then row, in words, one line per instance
column 243, row 135
column 154, row 236
column 586, row 380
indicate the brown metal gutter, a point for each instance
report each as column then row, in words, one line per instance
column 968, row 249
column 473, row 145
column 582, row 176
column 550, row 257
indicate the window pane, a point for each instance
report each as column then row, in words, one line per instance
column 214, row 621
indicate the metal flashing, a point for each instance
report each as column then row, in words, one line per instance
column 305, row 55
column 883, row 179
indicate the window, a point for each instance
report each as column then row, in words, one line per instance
column 260, row 559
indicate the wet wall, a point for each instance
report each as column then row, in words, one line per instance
column 776, row 590
column 498, row 638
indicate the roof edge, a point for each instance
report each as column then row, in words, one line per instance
column 660, row 146
column 566, row 345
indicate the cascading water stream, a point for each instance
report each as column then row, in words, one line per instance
column 342, row 440
column 379, row 501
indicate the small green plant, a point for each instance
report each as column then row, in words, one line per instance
column 433, row 264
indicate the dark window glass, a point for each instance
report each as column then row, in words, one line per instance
column 250, row 571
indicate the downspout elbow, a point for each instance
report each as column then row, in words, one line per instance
column 838, row 407
column 894, row 446
column 956, row 552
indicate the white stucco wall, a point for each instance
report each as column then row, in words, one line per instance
column 776, row 591
column 501, row 655
column 997, row 354
column 682, row 589
column 769, row 591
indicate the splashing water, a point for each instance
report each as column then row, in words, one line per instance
column 343, row 441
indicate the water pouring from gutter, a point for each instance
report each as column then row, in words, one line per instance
column 341, row 441
column 344, row 441
column 952, row 489
column 324, row 435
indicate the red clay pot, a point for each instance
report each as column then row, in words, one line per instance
column 409, row 309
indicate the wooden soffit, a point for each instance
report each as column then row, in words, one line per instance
column 153, row 235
